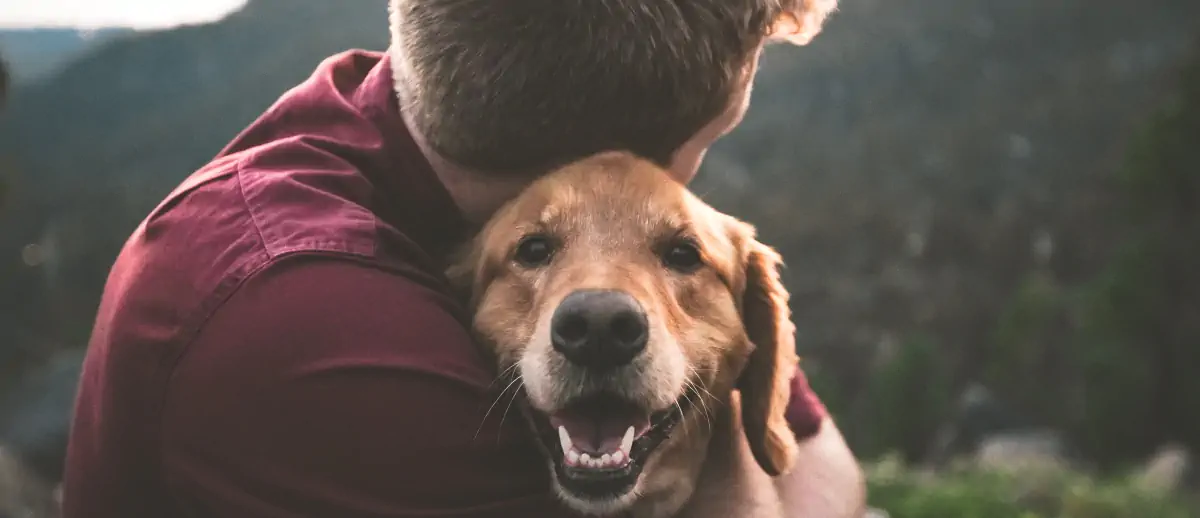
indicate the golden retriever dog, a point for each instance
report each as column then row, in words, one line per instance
column 645, row 331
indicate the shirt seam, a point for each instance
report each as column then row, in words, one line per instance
column 239, row 173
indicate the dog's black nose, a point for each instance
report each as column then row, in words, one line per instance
column 599, row 329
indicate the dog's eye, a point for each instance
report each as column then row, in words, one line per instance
column 534, row 251
column 683, row 256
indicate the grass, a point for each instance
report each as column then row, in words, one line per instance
column 1047, row 492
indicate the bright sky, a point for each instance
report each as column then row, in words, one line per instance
column 87, row 14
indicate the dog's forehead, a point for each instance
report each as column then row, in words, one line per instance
column 605, row 196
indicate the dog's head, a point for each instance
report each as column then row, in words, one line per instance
column 629, row 310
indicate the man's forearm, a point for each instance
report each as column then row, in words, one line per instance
column 827, row 481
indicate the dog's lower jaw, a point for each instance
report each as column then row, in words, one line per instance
column 592, row 508
column 664, row 488
column 659, row 500
column 668, row 489
column 659, row 496
column 668, row 501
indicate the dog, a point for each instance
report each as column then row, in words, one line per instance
column 646, row 331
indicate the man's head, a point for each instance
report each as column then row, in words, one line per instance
column 525, row 86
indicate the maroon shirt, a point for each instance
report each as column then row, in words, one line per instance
column 276, row 339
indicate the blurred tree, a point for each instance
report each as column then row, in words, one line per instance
column 3, row 98
column 1112, row 359
column 3, row 82
column 1141, row 346
column 907, row 397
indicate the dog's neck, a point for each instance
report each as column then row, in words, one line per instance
column 684, row 478
column 728, row 481
column 678, row 472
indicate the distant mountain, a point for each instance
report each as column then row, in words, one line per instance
column 914, row 159
column 144, row 110
column 33, row 54
column 89, row 150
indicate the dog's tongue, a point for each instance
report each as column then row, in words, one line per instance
column 598, row 424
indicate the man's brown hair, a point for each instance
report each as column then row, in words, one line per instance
column 526, row 85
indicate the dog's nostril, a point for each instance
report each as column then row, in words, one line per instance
column 628, row 327
column 572, row 327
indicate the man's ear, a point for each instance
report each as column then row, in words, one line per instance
column 766, row 380
column 803, row 22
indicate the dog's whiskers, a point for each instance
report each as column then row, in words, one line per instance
column 504, row 374
column 510, row 385
column 702, row 394
column 516, row 393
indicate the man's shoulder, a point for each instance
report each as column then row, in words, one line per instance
column 352, row 381
column 346, row 310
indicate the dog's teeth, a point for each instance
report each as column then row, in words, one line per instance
column 565, row 439
column 597, row 461
column 627, row 441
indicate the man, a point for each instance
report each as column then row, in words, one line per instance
column 276, row 340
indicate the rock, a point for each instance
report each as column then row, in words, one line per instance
column 979, row 415
column 35, row 414
column 876, row 513
column 23, row 494
column 1165, row 471
column 1025, row 450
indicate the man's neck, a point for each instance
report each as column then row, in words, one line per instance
column 477, row 194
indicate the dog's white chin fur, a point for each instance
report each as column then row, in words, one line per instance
column 671, row 488
column 605, row 507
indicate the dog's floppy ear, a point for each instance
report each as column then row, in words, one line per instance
column 474, row 266
column 802, row 22
column 469, row 271
column 766, row 380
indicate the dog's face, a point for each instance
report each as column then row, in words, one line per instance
column 629, row 310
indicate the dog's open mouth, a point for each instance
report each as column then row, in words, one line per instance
column 600, row 443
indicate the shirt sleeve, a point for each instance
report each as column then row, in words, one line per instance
column 805, row 412
column 324, row 387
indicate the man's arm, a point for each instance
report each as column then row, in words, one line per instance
column 327, row 388
column 827, row 481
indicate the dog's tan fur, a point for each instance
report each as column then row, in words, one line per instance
column 723, row 329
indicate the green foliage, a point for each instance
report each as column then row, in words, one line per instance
column 1107, row 359
column 1118, row 368
column 907, row 397
column 965, row 492
column 1138, row 318
column 1020, row 365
